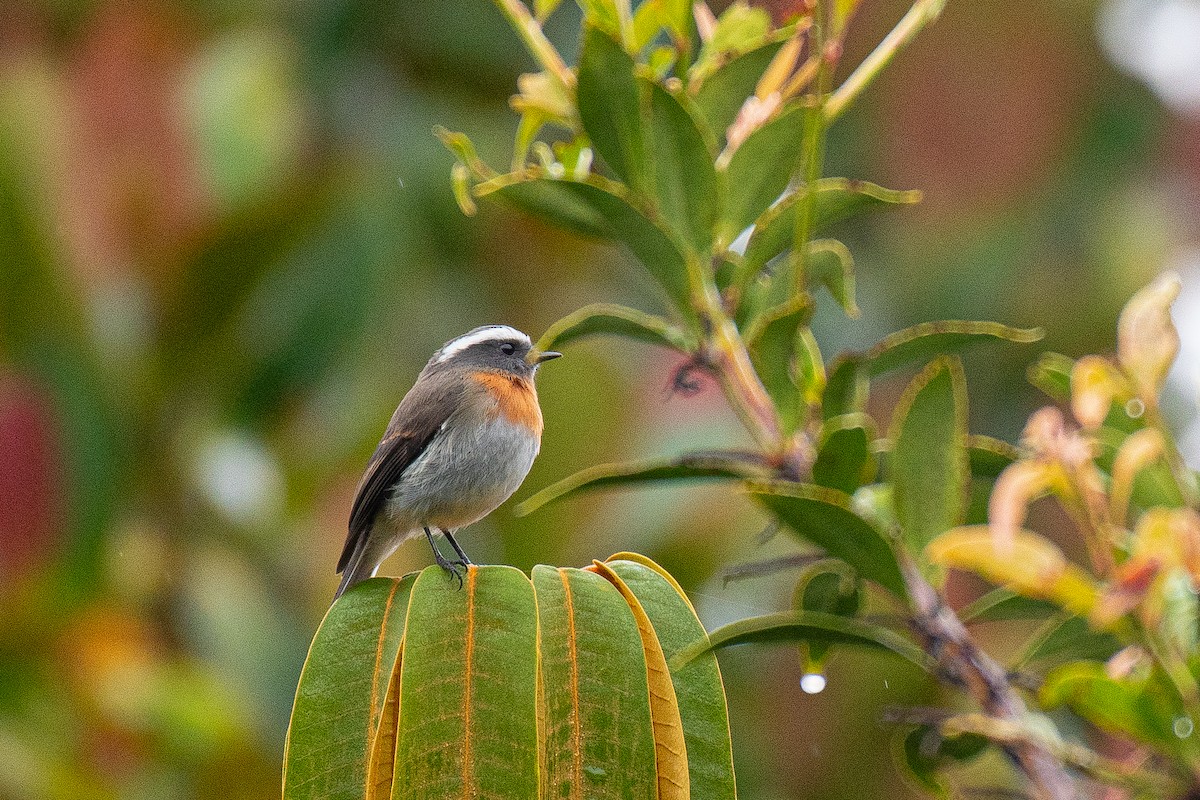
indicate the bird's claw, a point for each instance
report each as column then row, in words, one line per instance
column 456, row 568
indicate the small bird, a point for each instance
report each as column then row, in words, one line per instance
column 460, row 443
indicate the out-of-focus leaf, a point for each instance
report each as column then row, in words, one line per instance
column 598, row 736
column 823, row 516
column 544, row 8
column 989, row 456
column 610, row 106
column 688, row 192
column 924, row 750
column 846, row 387
column 673, row 16
column 831, row 265
column 1147, row 341
column 760, row 169
column 339, row 700
column 697, row 685
column 1052, row 374
column 1069, row 639
column 810, row 369
column 837, row 199
column 461, row 731
column 739, row 29
column 730, row 465
column 1145, row 709
column 600, row 208
column 721, row 94
column 773, row 348
column 844, row 459
column 1002, row 604
column 812, row 626
column 929, row 339
column 826, row 589
column 928, row 464
column 1032, row 566
column 606, row 318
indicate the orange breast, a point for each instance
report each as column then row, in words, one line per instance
column 516, row 399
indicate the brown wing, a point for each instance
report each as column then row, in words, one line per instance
column 416, row 421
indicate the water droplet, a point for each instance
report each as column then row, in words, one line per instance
column 1184, row 726
column 812, row 683
column 1135, row 408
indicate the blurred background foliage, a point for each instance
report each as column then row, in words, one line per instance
column 228, row 243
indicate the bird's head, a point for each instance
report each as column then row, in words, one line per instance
column 492, row 347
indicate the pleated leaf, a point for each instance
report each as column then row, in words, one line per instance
column 698, row 688
column 468, row 716
column 343, row 686
column 594, row 695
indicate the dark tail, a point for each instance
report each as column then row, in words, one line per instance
column 357, row 568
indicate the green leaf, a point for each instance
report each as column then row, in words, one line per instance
column 989, row 457
column 837, row 199
column 339, row 699
column 610, row 107
column 462, row 732
column 727, row 465
column 929, row 339
column 606, row 318
column 599, row 207
column 674, row 16
column 823, row 517
column 1003, row 604
column 829, row 588
column 544, row 8
column 831, row 265
column 928, row 466
column 1068, row 638
column 698, row 686
column 925, row 750
column 773, row 349
column 739, row 29
column 760, row 169
column 811, row 626
column 721, row 95
column 1143, row 708
column 1052, row 374
column 599, row 740
column 847, row 386
column 844, row 458
column 685, row 179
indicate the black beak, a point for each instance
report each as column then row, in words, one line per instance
column 538, row 356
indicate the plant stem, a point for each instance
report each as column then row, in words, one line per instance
column 921, row 14
column 985, row 681
column 535, row 41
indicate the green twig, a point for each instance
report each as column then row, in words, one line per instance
column 535, row 40
column 921, row 14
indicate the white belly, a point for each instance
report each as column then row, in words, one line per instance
column 462, row 476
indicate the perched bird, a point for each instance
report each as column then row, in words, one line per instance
column 460, row 443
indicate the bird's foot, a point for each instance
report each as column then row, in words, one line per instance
column 456, row 568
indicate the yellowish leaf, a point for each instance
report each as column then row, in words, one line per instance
column 1147, row 341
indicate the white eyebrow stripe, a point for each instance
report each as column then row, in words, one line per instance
column 489, row 333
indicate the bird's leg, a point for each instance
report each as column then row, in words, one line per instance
column 452, row 567
column 463, row 560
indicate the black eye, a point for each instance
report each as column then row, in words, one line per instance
column 507, row 349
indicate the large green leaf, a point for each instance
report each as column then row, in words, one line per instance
column 846, row 388
column 610, row 107
column 697, row 685
column 837, row 199
column 929, row 469
column 687, row 189
column 722, row 93
column 462, row 732
column 760, row 169
column 773, row 349
column 813, row 626
column 824, row 517
column 716, row 464
column 599, row 207
column 607, row 318
column 339, row 700
column 599, row 739
column 922, row 342
column 831, row 265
